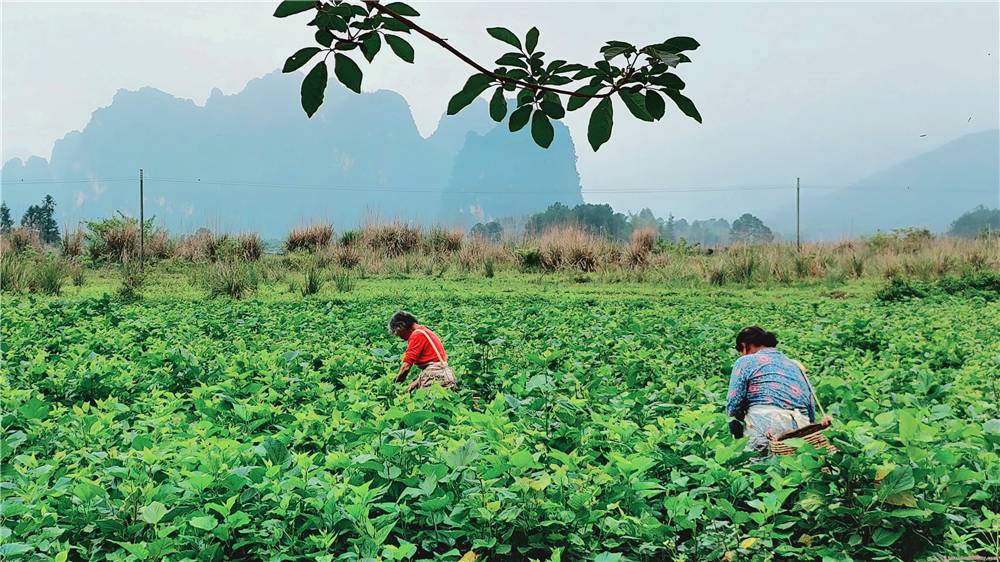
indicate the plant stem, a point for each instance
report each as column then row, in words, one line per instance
column 482, row 69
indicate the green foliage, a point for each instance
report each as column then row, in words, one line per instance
column 598, row 219
column 639, row 77
column 983, row 284
column 235, row 279
column 241, row 431
column 749, row 229
column 6, row 222
column 977, row 222
column 41, row 219
column 13, row 272
column 313, row 281
column 587, row 427
column 47, row 275
column 343, row 281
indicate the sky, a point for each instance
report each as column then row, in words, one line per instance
column 829, row 92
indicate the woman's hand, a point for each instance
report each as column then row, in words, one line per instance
column 412, row 386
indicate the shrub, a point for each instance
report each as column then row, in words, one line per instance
column 235, row 279
column 343, row 281
column 900, row 289
column 24, row 240
column 445, row 240
column 741, row 264
column 133, row 279
column 113, row 239
column 488, row 267
column 350, row 238
column 72, row 244
column 313, row 281
column 393, row 240
column 76, row 273
column 309, row 238
column 249, row 246
column 13, row 272
column 47, row 276
column 203, row 245
column 568, row 247
column 530, row 258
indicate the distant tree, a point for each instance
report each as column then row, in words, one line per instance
column 598, row 219
column 976, row 222
column 669, row 230
column 708, row 232
column 491, row 231
column 645, row 219
column 41, row 219
column 639, row 77
column 749, row 229
column 6, row 223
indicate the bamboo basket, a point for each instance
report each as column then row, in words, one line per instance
column 812, row 433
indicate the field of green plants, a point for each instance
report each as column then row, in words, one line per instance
column 588, row 426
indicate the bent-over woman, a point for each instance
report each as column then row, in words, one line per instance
column 767, row 390
column 423, row 350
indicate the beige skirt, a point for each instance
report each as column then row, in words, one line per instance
column 436, row 372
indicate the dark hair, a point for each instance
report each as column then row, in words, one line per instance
column 401, row 321
column 755, row 335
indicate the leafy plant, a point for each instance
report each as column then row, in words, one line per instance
column 544, row 90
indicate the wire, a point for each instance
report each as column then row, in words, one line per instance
column 417, row 189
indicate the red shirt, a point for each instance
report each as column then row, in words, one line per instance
column 419, row 350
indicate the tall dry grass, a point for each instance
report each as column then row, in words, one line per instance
column 309, row 238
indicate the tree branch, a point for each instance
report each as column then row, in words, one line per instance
column 483, row 70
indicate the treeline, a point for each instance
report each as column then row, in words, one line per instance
column 602, row 220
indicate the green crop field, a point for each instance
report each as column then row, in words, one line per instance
column 589, row 425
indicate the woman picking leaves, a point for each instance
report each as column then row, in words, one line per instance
column 767, row 391
column 423, row 349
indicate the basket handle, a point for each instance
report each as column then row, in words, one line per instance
column 809, row 384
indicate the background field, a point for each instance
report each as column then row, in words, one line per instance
column 589, row 424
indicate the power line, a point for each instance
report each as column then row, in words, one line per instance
column 419, row 189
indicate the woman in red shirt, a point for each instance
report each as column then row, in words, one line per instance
column 423, row 349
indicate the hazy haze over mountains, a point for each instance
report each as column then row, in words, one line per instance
column 253, row 161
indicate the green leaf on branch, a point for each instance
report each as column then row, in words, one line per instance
column 313, row 88
column 616, row 48
column 576, row 102
column 552, row 106
column 347, row 72
column 299, row 59
column 679, row 44
column 324, row 37
column 401, row 47
column 655, row 104
column 601, row 121
column 370, row 46
column 498, row 105
column 519, row 118
column 402, row 9
column 292, row 7
column 684, row 104
column 475, row 85
column 505, row 35
column 525, row 96
column 668, row 80
column 392, row 24
column 330, row 20
column 531, row 40
column 636, row 104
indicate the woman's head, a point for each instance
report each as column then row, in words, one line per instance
column 401, row 324
column 753, row 338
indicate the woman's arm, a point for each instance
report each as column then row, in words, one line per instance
column 404, row 369
column 736, row 399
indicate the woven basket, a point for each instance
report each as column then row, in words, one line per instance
column 812, row 433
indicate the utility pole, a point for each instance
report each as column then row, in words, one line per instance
column 142, row 227
column 798, row 231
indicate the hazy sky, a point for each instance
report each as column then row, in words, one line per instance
column 827, row 91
